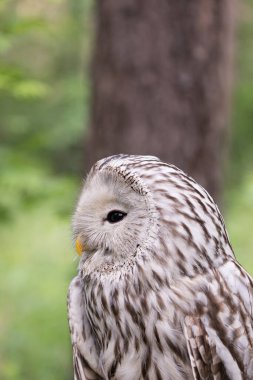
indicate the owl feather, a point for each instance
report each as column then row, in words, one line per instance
column 159, row 293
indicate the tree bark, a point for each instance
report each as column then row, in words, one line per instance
column 162, row 81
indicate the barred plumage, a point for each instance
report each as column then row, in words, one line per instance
column 159, row 294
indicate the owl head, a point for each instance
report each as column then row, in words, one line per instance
column 113, row 215
column 137, row 208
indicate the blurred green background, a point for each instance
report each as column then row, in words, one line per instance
column 45, row 50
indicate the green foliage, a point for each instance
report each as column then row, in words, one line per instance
column 239, row 221
column 242, row 110
column 44, row 96
column 36, row 261
column 43, row 91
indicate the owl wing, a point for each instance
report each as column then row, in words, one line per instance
column 205, row 361
column 219, row 334
column 84, row 352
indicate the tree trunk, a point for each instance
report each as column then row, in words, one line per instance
column 161, row 83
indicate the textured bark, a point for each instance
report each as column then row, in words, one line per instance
column 161, row 83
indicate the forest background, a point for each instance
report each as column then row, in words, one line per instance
column 45, row 51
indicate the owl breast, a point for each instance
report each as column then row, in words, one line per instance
column 133, row 328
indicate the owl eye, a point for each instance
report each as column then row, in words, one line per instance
column 115, row 216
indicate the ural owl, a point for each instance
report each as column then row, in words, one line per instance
column 159, row 293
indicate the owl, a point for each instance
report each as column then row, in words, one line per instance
column 159, row 294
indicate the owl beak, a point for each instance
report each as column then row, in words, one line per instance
column 80, row 246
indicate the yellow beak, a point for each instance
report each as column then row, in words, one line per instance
column 80, row 246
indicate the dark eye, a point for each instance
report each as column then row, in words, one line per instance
column 115, row 216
